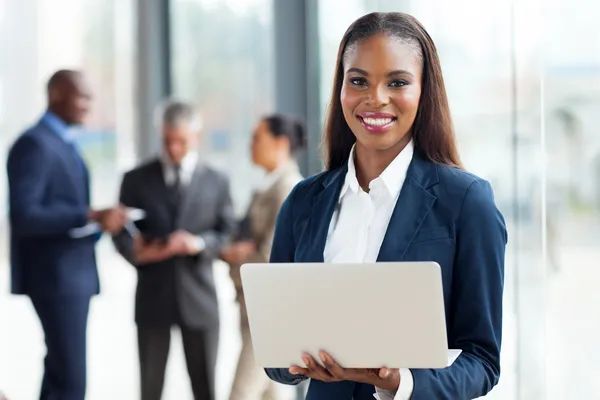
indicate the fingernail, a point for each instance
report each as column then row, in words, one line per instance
column 384, row 372
column 322, row 357
column 305, row 360
column 293, row 372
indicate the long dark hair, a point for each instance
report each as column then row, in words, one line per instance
column 292, row 128
column 432, row 131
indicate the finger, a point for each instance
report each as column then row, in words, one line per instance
column 388, row 378
column 388, row 373
column 296, row 370
column 320, row 373
column 332, row 366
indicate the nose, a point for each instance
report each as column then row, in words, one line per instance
column 378, row 96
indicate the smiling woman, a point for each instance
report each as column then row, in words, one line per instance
column 389, row 70
column 392, row 160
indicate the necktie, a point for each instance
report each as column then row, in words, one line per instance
column 176, row 187
column 175, row 193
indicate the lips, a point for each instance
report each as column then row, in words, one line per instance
column 377, row 122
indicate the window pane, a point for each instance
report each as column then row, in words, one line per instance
column 572, row 196
column 38, row 37
column 98, row 40
column 223, row 61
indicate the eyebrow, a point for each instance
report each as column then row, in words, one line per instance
column 391, row 73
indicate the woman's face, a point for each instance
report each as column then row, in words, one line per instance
column 381, row 91
column 266, row 148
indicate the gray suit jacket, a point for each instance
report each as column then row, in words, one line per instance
column 181, row 289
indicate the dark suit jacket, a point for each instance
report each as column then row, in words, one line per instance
column 49, row 195
column 445, row 215
column 181, row 289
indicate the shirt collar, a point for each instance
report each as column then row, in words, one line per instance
column 273, row 176
column 351, row 181
column 57, row 125
column 392, row 177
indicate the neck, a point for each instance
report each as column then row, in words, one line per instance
column 56, row 112
column 370, row 163
column 279, row 162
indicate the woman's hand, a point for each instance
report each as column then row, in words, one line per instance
column 383, row 378
column 239, row 252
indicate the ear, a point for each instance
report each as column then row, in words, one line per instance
column 55, row 96
column 283, row 142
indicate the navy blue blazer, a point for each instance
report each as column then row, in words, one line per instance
column 443, row 214
column 49, row 195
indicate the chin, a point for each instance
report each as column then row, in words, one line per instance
column 378, row 141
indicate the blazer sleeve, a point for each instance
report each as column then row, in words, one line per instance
column 282, row 251
column 31, row 212
column 124, row 241
column 475, row 315
column 215, row 238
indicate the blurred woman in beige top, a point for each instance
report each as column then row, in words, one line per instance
column 275, row 141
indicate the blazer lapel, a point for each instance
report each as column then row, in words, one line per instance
column 413, row 205
column 158, row 176
column 74, row 163
column 323, row 206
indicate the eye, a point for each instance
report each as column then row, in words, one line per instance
column 357, row 81
column 397, row 83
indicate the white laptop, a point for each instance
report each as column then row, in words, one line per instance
column 366, row 315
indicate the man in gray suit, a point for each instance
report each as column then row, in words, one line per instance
column 189, row 217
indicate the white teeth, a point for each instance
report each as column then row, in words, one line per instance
column 377, row 121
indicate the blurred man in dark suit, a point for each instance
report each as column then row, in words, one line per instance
column 49, row 198
column 189, row 217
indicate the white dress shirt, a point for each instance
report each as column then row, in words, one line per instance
column 187, row 167
column 359, row 225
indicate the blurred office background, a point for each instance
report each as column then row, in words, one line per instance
column 523, row 78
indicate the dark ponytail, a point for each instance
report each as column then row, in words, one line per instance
column 292, row 128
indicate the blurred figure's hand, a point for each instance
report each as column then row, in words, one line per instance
column 150, row 252
column 111, row 220
column 3, row 397
column 183, row 243
column 239, row 252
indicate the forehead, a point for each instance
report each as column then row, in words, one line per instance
column 262, row 131
column 383, row 53
column 261, row 128
column 80, row 86
column 178, row 131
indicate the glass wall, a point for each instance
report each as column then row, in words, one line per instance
column 571, row 98
column 523, row 84
column 222, row 59
column 35, row 41
column 38, row 37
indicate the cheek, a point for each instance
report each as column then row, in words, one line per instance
column 350, row 99
column 178, row 148
column 255, row 150
column 82, row 104
column 259, row 151
column 407, row 102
